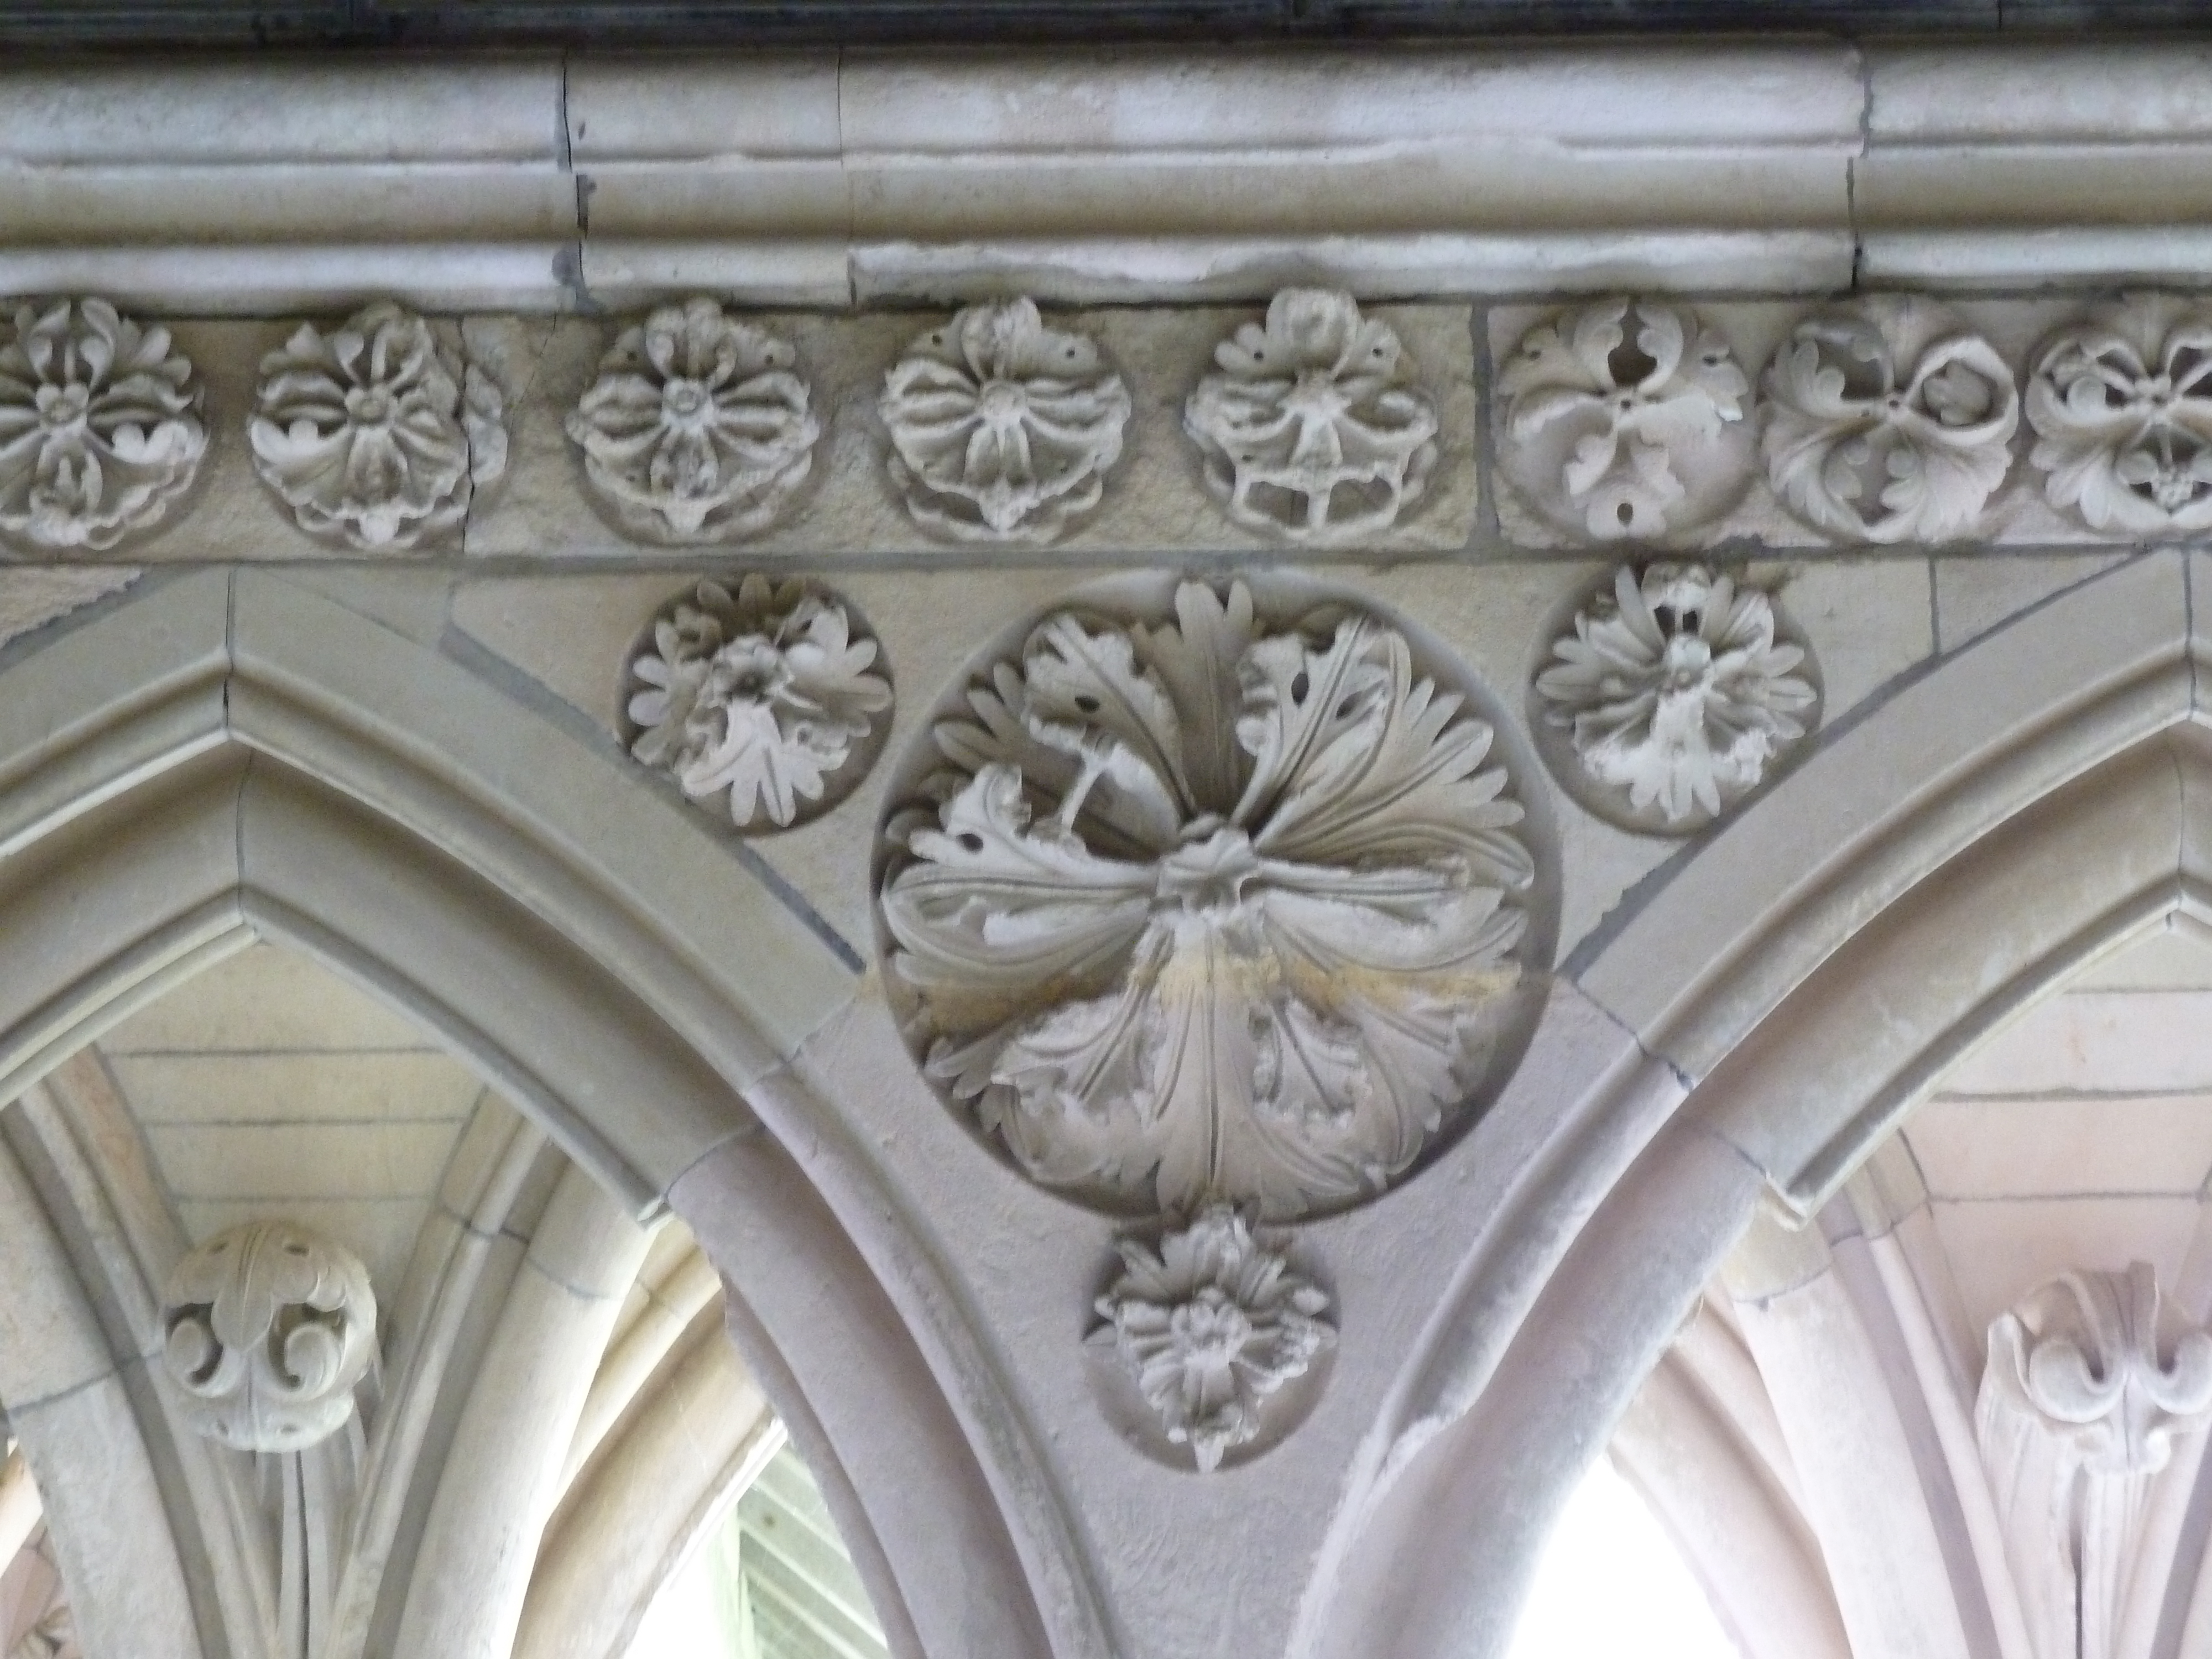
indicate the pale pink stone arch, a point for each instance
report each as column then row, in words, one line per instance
column 223, row 756
column 1944, row 859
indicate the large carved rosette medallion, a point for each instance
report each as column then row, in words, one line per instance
column 1212, row 904
column 2122, row 408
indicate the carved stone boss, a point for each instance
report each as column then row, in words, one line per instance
column 1213, row 908
column 2089, row 1384
column 269, row 1327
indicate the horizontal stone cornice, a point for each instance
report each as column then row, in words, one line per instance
column 826, row 179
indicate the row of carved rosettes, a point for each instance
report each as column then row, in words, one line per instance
column 699, row 427
column 1886, row 420
column 1209, row 907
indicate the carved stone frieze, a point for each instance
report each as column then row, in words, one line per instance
column 697, row 428
column 765, row 697
column 1002, row 429
column 1888, row 420
column 1314, row 427
column 1673, row 697
column 2089, row 1383
column 377, row 433
column 100, row 431
column 1625, row 418
column 1210, row 1324
column 269, row 1327
column 2122, row 408
column 1219, row 905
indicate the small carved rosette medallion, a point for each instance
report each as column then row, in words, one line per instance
column 1002, row 429
column 100, row 427
column 1313, row 428
column 377, row 434
column 2122, row 408
column 269, row 1327
column 697, row 428
column 1673, row 696
column 765, row 698
column 1626, row 419
column 1217, row 906
column 1210, row 1324
column 1888, row 421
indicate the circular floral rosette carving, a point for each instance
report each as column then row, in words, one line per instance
column 1674, row 697
column 697, row 428
column 1002, row 429
column 1218, row 909
column 99, row 427
column 1618, row 431
column 1888, row 421
column 2122, row 408
column 764, row 696
column 376, row 433
column 268, row 1329
column 1211, row 1325
column 1313, row 428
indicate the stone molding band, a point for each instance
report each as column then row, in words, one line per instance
column 545, row 182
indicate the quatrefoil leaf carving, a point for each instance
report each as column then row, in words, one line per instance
column 1625, row 418
column 1213, row 909
column 1002, row 429
column 1888, row 421
column 101, row 432
column 2122, row 408
column 1313, row 428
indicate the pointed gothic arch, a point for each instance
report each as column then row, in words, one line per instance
column 223, row 756
column 1944, row 859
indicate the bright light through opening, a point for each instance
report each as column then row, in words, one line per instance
column 1613, row 1582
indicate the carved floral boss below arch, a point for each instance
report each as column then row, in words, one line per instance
column 1215, row 914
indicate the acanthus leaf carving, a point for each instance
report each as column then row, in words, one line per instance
column 1675, row 696
column 1213, row 909
column 1888, row 421
column 1211, row 1325
column 1002, row 429
column 764, row 696
column 2122, row 408
column 270, row 1329
column 2089, row 1383
column 1626, row 419
column 698, row 427
column 379, row 433
column 1313, row 426
column 101, row 432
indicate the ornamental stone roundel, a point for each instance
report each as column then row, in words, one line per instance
column 764, row 700
column 1671, row 694
column 1215, row 892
